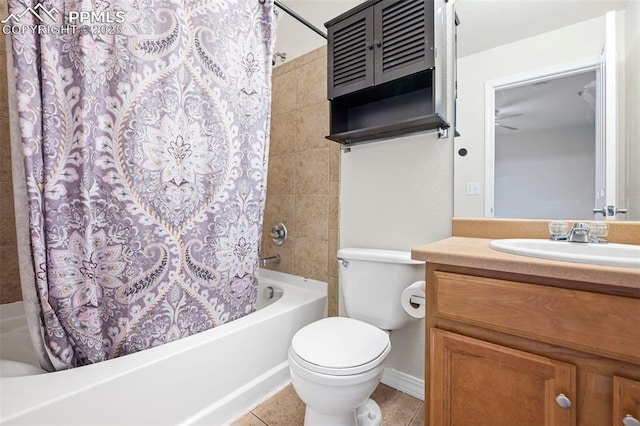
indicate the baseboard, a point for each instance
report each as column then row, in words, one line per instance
column 404, row 382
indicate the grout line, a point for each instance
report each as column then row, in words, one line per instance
column 418, row 410
column 258, row 418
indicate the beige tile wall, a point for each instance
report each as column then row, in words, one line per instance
column 303, row 179
column 9, row 277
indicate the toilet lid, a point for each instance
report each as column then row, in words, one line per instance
column 340, row 346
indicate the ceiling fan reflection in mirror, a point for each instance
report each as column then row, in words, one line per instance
column 499, row 118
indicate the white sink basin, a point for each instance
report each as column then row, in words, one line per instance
column 625, row 255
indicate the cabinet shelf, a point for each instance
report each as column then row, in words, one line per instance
column 418, row 124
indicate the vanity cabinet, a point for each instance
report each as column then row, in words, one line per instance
column 476, row 382
column 506, row 349
column 626, row 402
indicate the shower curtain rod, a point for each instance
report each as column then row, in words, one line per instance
column 300, row 18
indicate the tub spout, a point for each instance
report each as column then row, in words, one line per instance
column 264, row 261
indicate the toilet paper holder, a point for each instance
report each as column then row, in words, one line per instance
column 416, row 301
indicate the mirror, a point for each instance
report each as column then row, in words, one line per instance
column 499, row 40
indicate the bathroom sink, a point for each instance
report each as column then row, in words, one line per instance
column 624, row 255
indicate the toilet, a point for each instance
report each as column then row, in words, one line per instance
column 336, row 363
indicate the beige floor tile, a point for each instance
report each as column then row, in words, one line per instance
column 283, row 409
column 397, row 407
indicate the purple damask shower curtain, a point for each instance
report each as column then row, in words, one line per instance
column 144, row 126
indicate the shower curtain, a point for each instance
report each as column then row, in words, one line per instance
column 144, row 130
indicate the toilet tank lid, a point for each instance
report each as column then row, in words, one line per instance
column 378, row 255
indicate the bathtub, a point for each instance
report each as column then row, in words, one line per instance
column 209, row 378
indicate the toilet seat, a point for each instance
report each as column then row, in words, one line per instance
column 339, row 346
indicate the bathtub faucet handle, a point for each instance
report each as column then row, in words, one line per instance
column 264, row 261
column 278, row 234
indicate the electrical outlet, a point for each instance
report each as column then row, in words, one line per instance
column 473, row 188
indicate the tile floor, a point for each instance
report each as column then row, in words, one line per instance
column 286, row 409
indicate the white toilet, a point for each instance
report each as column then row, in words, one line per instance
column 336, row 363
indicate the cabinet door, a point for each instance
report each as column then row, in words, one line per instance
column 482, row 384
column 626, row 402
column 403, row 39
column 350, row 54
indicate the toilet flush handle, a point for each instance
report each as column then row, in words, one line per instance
column 344, row 262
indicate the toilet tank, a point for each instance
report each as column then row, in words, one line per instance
column 372, row 281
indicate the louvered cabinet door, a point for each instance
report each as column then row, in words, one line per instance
column 350, row 54
column 403, row 39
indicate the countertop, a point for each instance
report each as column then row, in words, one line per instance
column 473, row 252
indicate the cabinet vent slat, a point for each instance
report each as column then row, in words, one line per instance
column 403, row 34
column 402, row 27
column 346, row 35
column 395, row 48
column 404, row 60
column 349, row 75
column 415, row 36
column 399, row 54
column 409, row 11
column 349, row 43
column 402, row 9
column 349, row 53
column 349, row 66
column 339, row 63
column 349, row 79
column 348, row 62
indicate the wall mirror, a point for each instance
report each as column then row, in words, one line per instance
column 515, row 59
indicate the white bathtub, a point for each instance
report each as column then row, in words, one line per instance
column 209, row 378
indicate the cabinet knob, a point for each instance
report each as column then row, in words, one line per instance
column 629, row 420
column 563, row 401
column 377, row 42
column 369, row 45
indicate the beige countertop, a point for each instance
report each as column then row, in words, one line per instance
column 472, row 252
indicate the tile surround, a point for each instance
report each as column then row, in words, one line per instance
column 9, row 274
column 303, row 181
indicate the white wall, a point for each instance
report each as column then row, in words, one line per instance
column 566, row 45
column 565, row 189
column 397, row 194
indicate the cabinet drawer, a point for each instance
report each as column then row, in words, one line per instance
column 597, row 323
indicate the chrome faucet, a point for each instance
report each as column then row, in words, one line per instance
column 579, row 233
column 264, row 261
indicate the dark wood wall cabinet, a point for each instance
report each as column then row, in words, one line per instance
column 381, row 71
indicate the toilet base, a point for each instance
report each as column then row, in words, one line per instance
column 367, row 414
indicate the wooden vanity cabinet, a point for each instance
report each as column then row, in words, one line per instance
column 478, row 383
column 626, row 402
column 511, row 349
